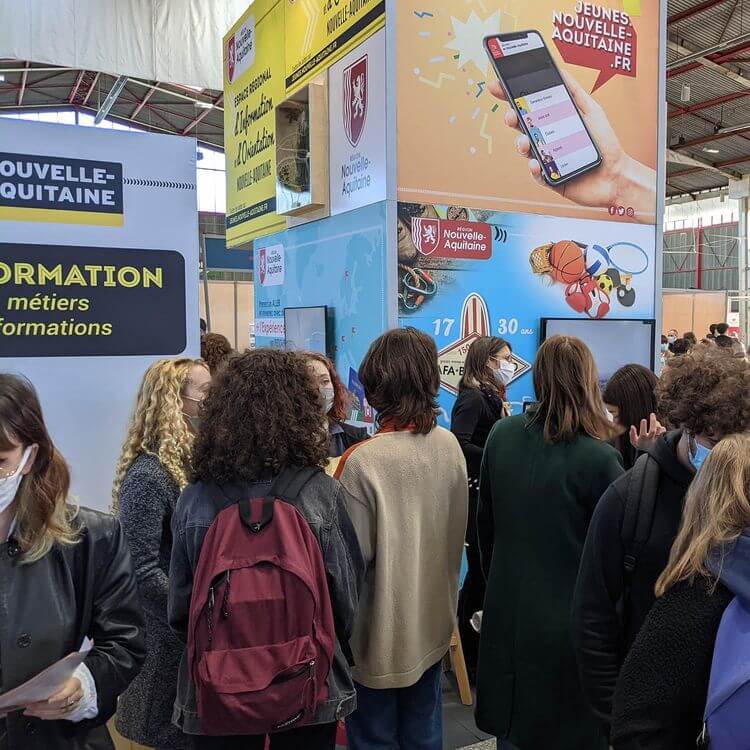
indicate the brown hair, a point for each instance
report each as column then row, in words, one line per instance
column 567, row 389
column 157, row 426
column 215, row 350
column 340, row 394
column 717, row 509
column 706, row 393
column 631, row 390
column 262, row 412
column 401, row 379
column 43, row 517
column 476, row 370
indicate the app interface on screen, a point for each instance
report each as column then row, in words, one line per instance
column 551, row 119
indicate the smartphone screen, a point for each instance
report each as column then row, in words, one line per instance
column 536, row 90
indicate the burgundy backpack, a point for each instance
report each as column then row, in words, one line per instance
column 261, row 632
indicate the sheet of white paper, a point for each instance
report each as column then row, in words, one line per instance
column 43, row 685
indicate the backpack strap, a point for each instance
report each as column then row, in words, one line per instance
column 288, row 485
column 291, row 480
column 639, row 513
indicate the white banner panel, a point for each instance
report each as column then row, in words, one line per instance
column 356, row 113
column 98, row 277
column 176, row 41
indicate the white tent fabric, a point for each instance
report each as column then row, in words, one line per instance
column 175, row 41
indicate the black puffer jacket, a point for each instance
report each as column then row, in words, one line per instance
column 48, row 607
column 604, row 627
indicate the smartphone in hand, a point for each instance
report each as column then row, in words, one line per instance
column 560, row 140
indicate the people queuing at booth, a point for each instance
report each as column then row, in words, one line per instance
column 270, row 573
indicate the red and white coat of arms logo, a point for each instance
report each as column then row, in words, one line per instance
column 231, row 58
column 262, row 265
column 355, row 99
column 425, row 233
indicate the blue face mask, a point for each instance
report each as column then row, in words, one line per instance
column 698, row 455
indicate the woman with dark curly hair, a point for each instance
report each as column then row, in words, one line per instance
column 705, row 396
column 215, row 351
column 263, row 416
column 342, row 436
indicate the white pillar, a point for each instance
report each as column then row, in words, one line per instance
column 743, row 257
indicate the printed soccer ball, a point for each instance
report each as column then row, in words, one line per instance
column 605, row 283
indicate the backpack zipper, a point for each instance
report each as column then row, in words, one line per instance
column 225, row 599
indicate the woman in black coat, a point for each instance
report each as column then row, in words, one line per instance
column 152, row 471
column 481, row 402
column 661, row 693
column 65, row 576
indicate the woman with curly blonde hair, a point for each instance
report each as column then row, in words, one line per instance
column 153, row 470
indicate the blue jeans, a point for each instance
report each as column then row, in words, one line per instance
column 401, row 718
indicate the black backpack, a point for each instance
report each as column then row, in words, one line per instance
column 639, row 515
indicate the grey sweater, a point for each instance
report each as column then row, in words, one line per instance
column 147, row 499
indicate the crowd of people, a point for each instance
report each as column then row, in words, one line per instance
column 269, row 571
column 672, row 345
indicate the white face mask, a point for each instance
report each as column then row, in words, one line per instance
column 505, row 372
column 328, row 394
column 9, row 485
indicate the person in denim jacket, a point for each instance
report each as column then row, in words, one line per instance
column 264, row 413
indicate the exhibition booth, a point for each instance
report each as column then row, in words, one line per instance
column 376, row 177
column 373, row 166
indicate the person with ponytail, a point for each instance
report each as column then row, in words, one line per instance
column 65, row 576
column 152, row 471
column 661, row 693
column 480, row 404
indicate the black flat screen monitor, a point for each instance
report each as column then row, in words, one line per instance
column 305, row 329
column 614, row 343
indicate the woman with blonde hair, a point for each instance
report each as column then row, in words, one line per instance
column 65, row 575
column 152, row 471
column 661, row 693
column 542, row 474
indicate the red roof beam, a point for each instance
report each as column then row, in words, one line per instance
column 708, row 103
column 690, row 12
column 76, row 85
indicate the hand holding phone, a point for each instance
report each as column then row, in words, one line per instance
column 615, row 180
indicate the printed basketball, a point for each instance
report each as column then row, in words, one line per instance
column 567, row 261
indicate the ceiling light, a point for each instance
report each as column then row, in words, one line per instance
column 711, row 150
column 685, row 93
column 733, row 128
column 204, row 105
column 2, row 77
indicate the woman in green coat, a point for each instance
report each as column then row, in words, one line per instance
column 542, row 474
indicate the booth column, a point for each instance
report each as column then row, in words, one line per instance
column 743, row 258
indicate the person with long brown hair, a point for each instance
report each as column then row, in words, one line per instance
column 153, row 469
column 542, row 475
column 661, row 694
column 65, row 576
column 262, row 419
column 481, row 401
column 704, row 396
column 342, row 436
column 408, row 497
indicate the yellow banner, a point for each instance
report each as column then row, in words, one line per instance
column 253, row 86
column 319, row 32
